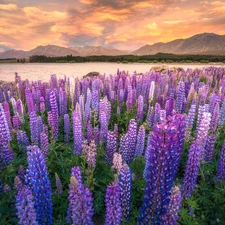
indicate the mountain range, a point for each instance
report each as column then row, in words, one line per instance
column 205, row 43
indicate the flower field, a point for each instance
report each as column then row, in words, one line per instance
column 114, row 149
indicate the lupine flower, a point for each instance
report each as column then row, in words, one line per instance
column 113, row 205
column 151, row 92
column 117, row 162
column 91, row 154
column 44, row 144
column 140, row 108
column 118, row 110
column 58, row 184
column 150, row 116
column 209, row 147
column 7, row 114
column 89, row 131
column 180, row 97
column 62, row 103
column 22, row 139
column 20, row 110
column 66, row 128
column 42, row 105
column 39, row 182
column 16, row 122
column 87, row 106
column 111, row 147
column 96, row 135
column 25, row 207
column 77, row 133
column 164, row 159
column 140, row 141
column 103, row 126
column 215, row 118
column 125, row 178
column 173, row 209
column 34, row 130
column 201, row 110
column 221, row 165
column 29, row 100
column 192, row 167
column 124, row 146
column 95, row 101
column 190, row 121
column 76, row 172
column 6, row 188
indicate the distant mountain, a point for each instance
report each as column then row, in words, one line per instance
column 3, row 48
column 98, row 50
column 8, row 54
column 206, row 43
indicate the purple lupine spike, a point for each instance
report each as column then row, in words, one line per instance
column 95, row 101
column 215, row 118
column 173, row 209
column 45, row 129
column 91, row 154
column 116, row 130
column 42, row 104
column 77, row 133
column 222, row 114
column 55, row 116
column 221, row 164
column 125, row 178
column 62, row 103
column 22, row 139
column 139, row 115
column 7, row 114
column 129, row 102
column 96, row 135
column 40, row 124
column 132, row 138
column 81, row 103
column 150, row 116
column 107, row 108
column 50, row 121
column 140, row 141
column 192, row 167
column 124, row 145
column 16, row 122
column 180, row 97
column 26, row 212
column 29, row 101
column 40, row 184
column 209, row 147
column 89, row 131
column 190, row 121
column 34, row 129
column 58, row 184
column 111, row 147
column 44, row 144
column 162, row 116
column 151, row 91
column 201, row 110
column 113, row 205
column 66, row 128
column 76, row 172
column 87, row 109
column 103, row 126
column 6, row 188
column 164, row 155
column 157, row 113
column 169, row 105
column 20, row 110
column 80, row 209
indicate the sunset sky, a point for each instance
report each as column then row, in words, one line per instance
column 123, row 24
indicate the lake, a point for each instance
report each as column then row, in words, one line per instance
column 42, row 71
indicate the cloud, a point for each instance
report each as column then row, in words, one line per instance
column 8, row 7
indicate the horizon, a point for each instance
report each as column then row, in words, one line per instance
column 108, row 23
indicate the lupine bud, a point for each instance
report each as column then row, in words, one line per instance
column 113, row 205
column 58, row 184
column 111, row 147
column 221, row 165
column 140, row 141
column 77, row 133
column 39, row 182
column 125, row 179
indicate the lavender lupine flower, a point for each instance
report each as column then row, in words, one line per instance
column 201, row 110
column 215, row 117
column 29, row 100
column 209, row 147
column 91, row 154
column 190, row 121
column 180, row 97
column 125, row 178
column 95, row 101
column 80, row 209
column 221, row 164
column 116, row 130
column 113, row 205
column 34, row 129
column 16, row 122
column 22, row 139
column 87, row 109
column 124, row 145
column 81, row 103
column 129, row 102
column 39, row 182
column 117, row 162
column 55, row 116
column 162, row 116
column 20, row 110
column 222, row 114
column 103, row 126
column 169, row 105
column 66, row 128
column 42, row 104
column 140, row 141
column 76, row 172
column 77, row 133
column 62, row 103
column 44, row 144
column 6, row 188
column 7, row 114
column 96, row 135
column 192, row 167
column 25, row 207
column 111, row 147
column 58, row 184
column 173, row 209
column 139, row 115
column 164, row 157
column 89, row 131
column 152, row 90
column 150, row 116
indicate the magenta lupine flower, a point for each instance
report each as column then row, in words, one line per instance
column 66, row 128
column 125, row 178
column 50, row 121
column 91, row 154
column 192, row 167
column 164, row 155
column 162, row 116
column 157, row 113
column 89, row 131
column 111, row 147
column 34, row 129
column 113, row 205
column 44, row 144
column 132, row 137
column 29, row 100
column 16, row 122
column 173, row 209
column 140, row 141
column 221, row 164
column 37, row 177
column 6, row 188
column 55, row 116
column 42, row 104
column 80, row 209
column 77, row 133
column 209, row 147
column 25, row 207
column 58, row 184
column 190, row 121
column 103, row 126
column 7, row 114
column 139, row 115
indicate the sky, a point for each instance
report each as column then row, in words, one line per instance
column 123, row 24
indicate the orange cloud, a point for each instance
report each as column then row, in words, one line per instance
column 9, row 7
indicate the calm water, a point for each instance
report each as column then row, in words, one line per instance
column 42, row 71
